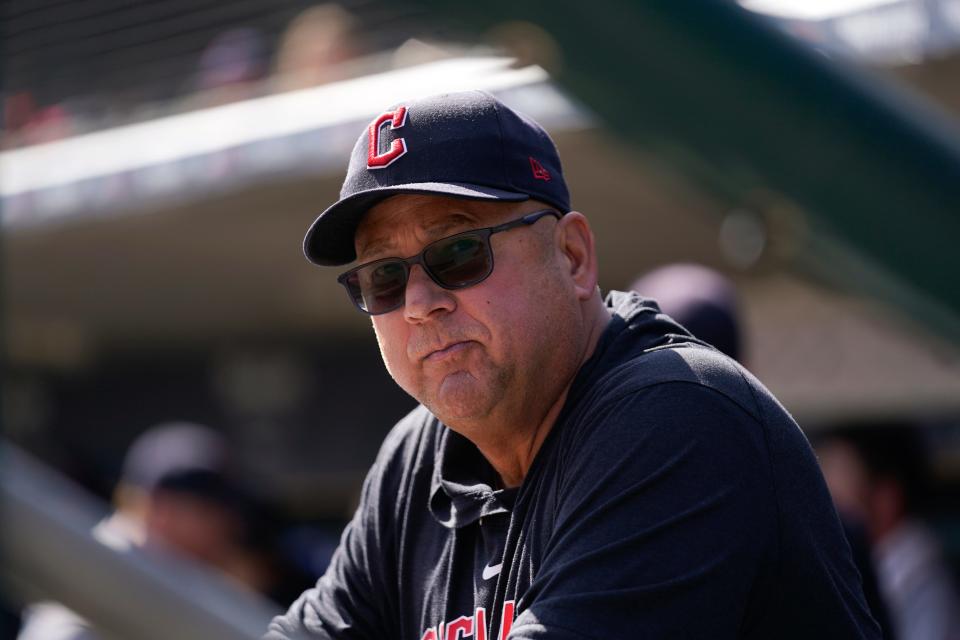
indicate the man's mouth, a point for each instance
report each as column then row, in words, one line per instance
column 447, row 352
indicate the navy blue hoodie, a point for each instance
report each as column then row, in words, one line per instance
column 673, row 498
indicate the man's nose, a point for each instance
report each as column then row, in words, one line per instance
column 424, row 296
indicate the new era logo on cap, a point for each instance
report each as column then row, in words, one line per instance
column 462, row 145
column 538, row 171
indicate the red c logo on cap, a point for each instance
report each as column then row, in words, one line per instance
column 375, row 159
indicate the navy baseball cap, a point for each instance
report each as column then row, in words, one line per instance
column 465, row 145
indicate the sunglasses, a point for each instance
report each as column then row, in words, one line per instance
column 455, row 262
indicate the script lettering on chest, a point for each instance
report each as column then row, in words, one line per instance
column 471, row 627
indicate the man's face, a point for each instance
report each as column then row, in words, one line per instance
column 495, row 345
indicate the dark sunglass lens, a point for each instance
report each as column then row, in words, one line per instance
column 381, row 286
column 459, row 261
column 352, row 284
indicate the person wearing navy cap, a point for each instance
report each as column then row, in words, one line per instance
column 578, row 466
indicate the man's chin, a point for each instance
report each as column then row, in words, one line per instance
column 459, row 397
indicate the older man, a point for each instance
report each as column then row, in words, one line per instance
column 577, row 468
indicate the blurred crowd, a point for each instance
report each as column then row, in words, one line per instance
column 322, row 43
column 238, row 63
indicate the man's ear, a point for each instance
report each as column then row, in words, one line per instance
column 576, row 244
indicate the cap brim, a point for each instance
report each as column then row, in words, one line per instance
column 329, row 241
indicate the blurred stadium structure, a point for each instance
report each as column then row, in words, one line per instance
column 161, row 161
column 887, row 32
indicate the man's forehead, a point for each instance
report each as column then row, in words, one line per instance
column 430, row 216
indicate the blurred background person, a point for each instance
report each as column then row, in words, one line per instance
column 175, row 492
column 179, row 494
column 314, row 47
column 878, row 476
column 703, row 300
column 230, row 68
column 26, row 122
